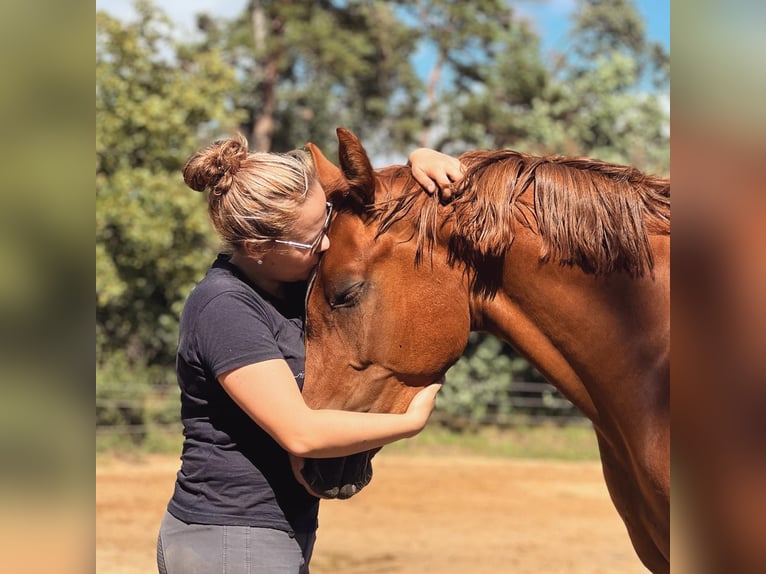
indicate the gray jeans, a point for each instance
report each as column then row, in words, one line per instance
column 209, row 549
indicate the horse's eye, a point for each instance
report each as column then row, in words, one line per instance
column 348, row 297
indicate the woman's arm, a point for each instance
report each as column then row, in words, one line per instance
column 267, row 392
column 434, row 169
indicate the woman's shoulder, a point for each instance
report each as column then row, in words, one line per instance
column 222, row 289
column 223, row 285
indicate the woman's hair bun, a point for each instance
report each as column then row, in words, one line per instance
column 215, row 166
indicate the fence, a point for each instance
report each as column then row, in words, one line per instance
column 522, row 404
column 532, row 403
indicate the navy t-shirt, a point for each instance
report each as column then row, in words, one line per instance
column 232, row 472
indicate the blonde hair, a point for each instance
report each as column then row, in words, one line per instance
column 253, row 197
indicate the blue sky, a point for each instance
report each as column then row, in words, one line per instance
column 550, row 17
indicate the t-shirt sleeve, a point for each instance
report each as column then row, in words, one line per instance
column 233, row 331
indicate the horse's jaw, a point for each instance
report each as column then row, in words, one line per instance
column 336, row 477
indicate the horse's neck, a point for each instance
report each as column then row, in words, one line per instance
column 505, row 318
column 583, row 333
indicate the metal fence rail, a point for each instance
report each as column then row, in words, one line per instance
column 525, row 403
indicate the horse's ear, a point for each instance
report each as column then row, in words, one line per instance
column 330, row 176
column 356, row 167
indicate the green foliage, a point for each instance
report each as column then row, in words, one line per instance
column 603, row 27
column 135, row 404
column 593, row 103
column 152, row 238
column 608, row 119
column 477, row 385
column 150, row 106
column 612, row 114
column 153, row 244
column 307, row 67
column 120, row 392
column 492, row 105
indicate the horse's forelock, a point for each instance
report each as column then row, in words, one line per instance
column 404, row 196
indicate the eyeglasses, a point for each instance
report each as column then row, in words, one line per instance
column 314, row 245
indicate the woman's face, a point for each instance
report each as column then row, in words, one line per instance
column 294, row 258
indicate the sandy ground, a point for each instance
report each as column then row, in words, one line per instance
column 420, row 514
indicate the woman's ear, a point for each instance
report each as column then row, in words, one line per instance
column 253, row 250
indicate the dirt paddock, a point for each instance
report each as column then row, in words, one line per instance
column 420, row 514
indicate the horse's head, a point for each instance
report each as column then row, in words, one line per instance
column 378, row 326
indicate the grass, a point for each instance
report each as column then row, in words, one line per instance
column 533, row 442
column 155, row 441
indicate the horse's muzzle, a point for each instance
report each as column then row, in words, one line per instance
column 338, row 477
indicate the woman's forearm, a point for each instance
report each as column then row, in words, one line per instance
column 268, row 394
column 330, row 433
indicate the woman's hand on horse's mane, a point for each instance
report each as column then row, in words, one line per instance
column 435, row 170
column 423, row 403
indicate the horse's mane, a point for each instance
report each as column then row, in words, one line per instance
column 589, row 213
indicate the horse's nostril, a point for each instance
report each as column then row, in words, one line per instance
column 347, row 491
column 331, row 492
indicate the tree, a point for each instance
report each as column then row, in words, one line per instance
column 308, row 67
column 498, row 110
column 463, row 36
column 615, row 26
column 606, row 98
column 152, row 238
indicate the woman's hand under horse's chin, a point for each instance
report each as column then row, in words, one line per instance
column 297, row 463
column 423, row 404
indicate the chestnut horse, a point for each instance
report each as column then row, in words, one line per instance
column 566, row 259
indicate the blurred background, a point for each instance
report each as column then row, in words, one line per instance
column 574, row 77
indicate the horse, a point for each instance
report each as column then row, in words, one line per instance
column 566, row 259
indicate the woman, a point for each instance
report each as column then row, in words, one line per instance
column 237, row 506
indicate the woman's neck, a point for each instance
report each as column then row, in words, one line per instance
column 257, row 275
